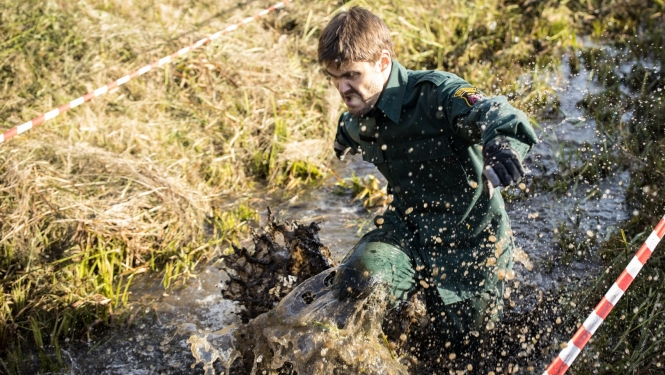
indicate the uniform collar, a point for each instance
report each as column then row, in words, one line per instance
column 390, row 102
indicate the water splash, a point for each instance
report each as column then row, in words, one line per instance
column 309, row 332
column 210, row 347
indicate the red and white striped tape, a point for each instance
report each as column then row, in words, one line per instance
column 563, row 361
column 108, row 87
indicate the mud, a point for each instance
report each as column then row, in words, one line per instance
column 284, row 255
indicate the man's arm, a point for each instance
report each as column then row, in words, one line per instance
column 477, row 118
column 344, row 145
column 504, row 132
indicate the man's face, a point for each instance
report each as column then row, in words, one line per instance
column 359, row 83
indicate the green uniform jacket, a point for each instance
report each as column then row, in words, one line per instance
column 425, row 136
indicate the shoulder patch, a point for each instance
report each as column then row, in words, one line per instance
column 470, row 95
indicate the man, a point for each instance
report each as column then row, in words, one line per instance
column 438, row 141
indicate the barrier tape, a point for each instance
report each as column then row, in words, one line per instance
column 565, row 359
column 110, row 86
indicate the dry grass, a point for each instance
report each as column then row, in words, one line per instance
column 136, row 180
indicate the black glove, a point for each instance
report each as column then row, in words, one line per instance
column 502, row 164
column 341, row 150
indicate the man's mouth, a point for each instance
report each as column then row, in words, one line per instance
column 352, row 99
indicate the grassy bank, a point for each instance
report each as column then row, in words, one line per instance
column 153, row 176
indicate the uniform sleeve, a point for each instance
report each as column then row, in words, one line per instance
column 343, row 136
column 477, row 118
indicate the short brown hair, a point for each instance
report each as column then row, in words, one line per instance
column 354, row 35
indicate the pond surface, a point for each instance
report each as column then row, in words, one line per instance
column 157, row 342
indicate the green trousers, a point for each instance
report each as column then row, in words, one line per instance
column 393, row 256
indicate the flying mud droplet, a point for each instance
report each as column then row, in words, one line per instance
column 519, row 255
column 499, row 250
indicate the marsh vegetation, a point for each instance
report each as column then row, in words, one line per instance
column 160, row 175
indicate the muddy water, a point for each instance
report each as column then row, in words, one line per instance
column 158, row 343
column 321, row 335
column 536, row 220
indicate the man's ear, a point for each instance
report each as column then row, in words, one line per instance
column 385, row 61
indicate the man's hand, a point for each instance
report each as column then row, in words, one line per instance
column 502, row 165
column 341, row 151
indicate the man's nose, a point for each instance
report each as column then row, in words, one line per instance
column 343, row 86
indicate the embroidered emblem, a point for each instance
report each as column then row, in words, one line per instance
column 470, row 95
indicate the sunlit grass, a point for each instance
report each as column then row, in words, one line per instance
column 145, row 178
